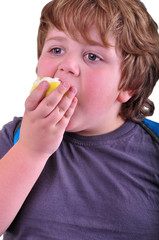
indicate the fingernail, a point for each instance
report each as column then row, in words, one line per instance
column 73, row 90
column 75, row 100
column 44, row 83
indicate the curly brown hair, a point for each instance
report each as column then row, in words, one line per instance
column 136, row 37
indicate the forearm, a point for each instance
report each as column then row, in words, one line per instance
column 19, row 170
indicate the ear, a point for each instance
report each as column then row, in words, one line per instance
column 124, row 96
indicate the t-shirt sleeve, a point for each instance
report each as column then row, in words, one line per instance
column 7, row 135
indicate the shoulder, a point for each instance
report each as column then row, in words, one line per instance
column 146, row 140
column 151, row 128
column 7, row 135
column 136, row 139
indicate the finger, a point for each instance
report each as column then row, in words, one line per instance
column 67, row 100
column 60, row 110
column 36, row 96
column 66, row 118
column 49, row 103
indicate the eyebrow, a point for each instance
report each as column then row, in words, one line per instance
column 63, row 39
column 58, row 38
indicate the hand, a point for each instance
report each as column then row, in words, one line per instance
column 46, row 118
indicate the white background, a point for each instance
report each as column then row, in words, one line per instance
column 19, row 22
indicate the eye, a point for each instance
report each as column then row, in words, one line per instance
column 93, row 57
column 57, row 51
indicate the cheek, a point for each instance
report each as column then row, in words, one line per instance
column 44, row 68
column 93, row 99
column 100, row 91
column 101, row 86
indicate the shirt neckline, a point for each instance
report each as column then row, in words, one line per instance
column 121, row 133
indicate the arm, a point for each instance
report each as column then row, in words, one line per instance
column 43, row 126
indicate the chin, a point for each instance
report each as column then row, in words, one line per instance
column 73, row 127
column 70, row 128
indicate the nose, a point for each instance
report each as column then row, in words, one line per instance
column 69, row 65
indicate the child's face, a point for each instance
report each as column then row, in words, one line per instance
column 95, row 72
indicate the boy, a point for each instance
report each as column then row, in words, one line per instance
column 83, row 168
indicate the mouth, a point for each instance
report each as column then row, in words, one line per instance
column 62, row 78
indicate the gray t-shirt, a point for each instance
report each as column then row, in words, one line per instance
column 93, row 188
